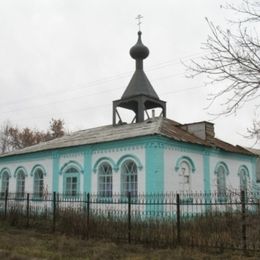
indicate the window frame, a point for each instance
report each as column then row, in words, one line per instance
column 68, row 174
column 243, row 180
column 182, row 176
column 20, row 180
column 244, row 173
column 38, row 195
column 108, row 176
column 129, row 186
column 5, row 187
column 221, row 179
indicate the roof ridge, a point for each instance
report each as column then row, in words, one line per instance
column 154, row 126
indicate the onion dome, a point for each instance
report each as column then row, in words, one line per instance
column 139, row 51
column 139, row 95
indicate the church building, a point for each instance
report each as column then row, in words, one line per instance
column 152, row 154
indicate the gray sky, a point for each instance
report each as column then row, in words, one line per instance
column 70, row 59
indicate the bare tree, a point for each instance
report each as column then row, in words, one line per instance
column 57, row 128
column 13, row 138
column 5, row 137
column 254, row 130
column 233, row 58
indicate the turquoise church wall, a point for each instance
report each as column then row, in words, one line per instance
column 206, row 172
column 152, row 163
column 55, row 171
column 87, row 170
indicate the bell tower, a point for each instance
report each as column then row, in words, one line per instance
column 139, row 95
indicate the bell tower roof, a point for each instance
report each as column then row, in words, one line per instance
column 139, row 84
column 139, row 95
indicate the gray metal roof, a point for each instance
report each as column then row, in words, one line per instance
column 139, row 85
column 253, row 150
column 157, row 126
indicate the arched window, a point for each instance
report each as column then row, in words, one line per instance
column 243, row 179
column 20, row 184
column 185, row 176
column 5, row 182
column 71, row 181
column 38, row 183
column 105, row 180
column 184, row 168
column 221, row 172
column 129, row 178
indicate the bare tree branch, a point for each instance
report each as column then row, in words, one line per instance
column 13, row 138
column 232, row 59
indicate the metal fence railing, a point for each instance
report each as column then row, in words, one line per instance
column 229, row 220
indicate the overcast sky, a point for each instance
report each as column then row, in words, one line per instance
column 69, row 59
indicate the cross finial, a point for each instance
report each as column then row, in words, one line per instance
column 139, row 17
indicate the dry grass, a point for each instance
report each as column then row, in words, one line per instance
column 212, row 230
column 29, row 244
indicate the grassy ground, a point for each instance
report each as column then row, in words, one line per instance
column 29, row 244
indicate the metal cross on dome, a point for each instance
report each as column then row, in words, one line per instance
column 139, row 17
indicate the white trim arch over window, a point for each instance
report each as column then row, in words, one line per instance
column 105, row 180
column 185, row 167
column 129, row 178
column 71, row 178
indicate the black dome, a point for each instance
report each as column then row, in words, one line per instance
column 139, row 51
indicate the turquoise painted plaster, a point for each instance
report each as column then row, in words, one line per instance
column 20, row 168
column 186, row 159
column 206, row 173
column 121, row 144
column 256, row 186
column 200, row 149
column 105, row 159
column 5, row 169
column 38, row 166
column 154, row 169
column 69, row 164
column 229, row 155
column 87, row 171
column 26, row 157
column 55, row 171
column 72, row 150
column 253, row 173
column 132, row 157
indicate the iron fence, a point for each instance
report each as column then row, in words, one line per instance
column 229, row 220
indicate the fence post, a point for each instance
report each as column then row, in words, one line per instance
column 243, row 208
column 27, row 209
column 84, row 203
column 54, row 212
column 88, row 196
column 129, row 217
column 6, row 198
column 178, row 213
